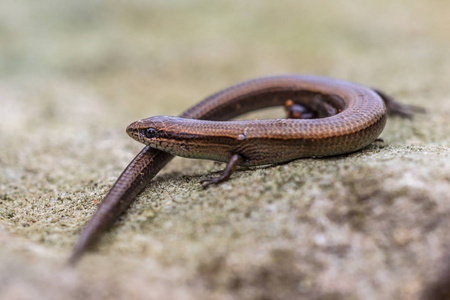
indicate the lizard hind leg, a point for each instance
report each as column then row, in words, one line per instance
column 395, row 108
column 297, row 111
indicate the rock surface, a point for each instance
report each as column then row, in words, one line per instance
column 73, row 75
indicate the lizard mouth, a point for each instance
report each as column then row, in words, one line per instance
column 143, row 130
column 134, row 130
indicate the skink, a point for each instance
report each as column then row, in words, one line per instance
column 341, row 117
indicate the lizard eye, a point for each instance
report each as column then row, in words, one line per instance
column 150, row 133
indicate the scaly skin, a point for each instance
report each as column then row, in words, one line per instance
column 351, row 116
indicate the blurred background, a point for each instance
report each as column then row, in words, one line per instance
column 131, row 51
column 74, row 74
